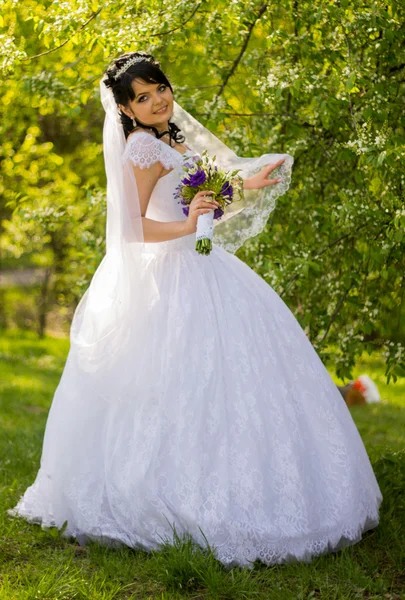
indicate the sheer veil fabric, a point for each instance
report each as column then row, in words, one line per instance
column 246, row 219
column 120, row 290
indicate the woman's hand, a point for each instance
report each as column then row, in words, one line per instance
column 260, row 179
column 198, row 206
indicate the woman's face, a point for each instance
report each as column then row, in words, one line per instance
column 149, row 99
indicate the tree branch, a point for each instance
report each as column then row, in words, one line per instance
column 320, row 252
column 93, row 16
column 350, row 98
column 197, row 6
column 336, row 312
column 397, row 68
column 262, row 10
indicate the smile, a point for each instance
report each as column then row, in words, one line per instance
column 162, row 110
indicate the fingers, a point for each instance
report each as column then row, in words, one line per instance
column 273, row 166
column 202, row 199
column 205, row 208
column 202, row 203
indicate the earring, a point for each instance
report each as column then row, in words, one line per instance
column 133, row 121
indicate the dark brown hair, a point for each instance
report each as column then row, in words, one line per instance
column 149, row 71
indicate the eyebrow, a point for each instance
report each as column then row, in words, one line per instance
column 142, row 93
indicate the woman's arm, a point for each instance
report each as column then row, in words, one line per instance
column 155, row 231
column 159, row 231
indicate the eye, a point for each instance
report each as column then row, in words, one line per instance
column 160, row 87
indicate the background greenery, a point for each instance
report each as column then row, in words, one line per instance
column 323, row 81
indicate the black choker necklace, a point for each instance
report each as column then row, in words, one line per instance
column 159, row 135
column 156, row 132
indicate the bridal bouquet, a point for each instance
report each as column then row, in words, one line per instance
column 202, row 174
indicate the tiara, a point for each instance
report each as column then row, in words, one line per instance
column 130, row 62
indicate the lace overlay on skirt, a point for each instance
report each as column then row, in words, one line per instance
column 230, row 423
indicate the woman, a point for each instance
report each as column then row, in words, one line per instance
column 191, row 399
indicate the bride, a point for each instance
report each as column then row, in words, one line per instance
column 191, row 399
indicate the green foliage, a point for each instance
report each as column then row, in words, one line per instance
column 321, row 81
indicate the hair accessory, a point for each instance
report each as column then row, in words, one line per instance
column 130, row 62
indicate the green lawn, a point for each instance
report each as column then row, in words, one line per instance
column 41, row 564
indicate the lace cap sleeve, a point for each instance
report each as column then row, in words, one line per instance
column 144, row 149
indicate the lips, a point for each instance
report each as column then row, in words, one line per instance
column 161, row 109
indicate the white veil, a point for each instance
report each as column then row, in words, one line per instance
column 246, row 219
column 123, row 291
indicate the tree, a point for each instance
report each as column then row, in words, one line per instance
column 321, row 81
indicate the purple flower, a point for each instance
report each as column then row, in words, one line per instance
column 196, row 179
column 218, row 212
column 227, row 189
column 185, row 210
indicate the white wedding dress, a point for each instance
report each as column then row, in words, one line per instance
column 231, row 424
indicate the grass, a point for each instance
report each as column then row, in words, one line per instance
column 382, row 426
column 38, row 563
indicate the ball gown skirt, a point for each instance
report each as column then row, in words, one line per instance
column 231, row 426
